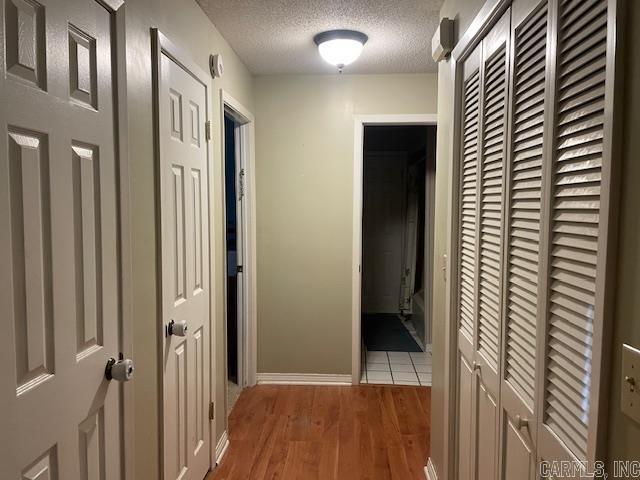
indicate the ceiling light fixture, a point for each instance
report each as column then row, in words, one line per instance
column 340, row 47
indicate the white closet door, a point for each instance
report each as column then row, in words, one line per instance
column 523, row 275
column 495, row 68
column 467, row 254
column 577, row 243
column 495, row 48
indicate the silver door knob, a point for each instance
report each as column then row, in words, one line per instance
column 475, row 366
column 179, row 329
column 120, row 370
column 521, row 422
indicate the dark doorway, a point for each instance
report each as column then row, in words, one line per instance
column 232, row 258
column 398, row 164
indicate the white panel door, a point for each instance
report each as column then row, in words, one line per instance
column 59, row 290
column 185, row 271
column 383, row 225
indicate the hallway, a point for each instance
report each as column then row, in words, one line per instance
column 319, row 432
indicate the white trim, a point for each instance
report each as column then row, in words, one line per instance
column 221, row 447
column 248, row 363
column 303, row 379
column 430, row 471
column 360, row 121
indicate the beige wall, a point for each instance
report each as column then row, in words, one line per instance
column 304, row 175
column 464, row 12
column 624, row 433
column 183, row 22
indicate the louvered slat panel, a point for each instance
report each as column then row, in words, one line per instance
column 524, row 218
column 575, row 219
column 490, row 224
column 468, row 205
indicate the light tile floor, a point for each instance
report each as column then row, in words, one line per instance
column 397, row 368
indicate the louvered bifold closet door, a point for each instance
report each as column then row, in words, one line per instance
column 577, row 244
column 468, row 210
column 523, row 275
column 467, row 259
column 493, row 107
column 495, row 49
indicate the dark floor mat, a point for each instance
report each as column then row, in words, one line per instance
column 385, row 332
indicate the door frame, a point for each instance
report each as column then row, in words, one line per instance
column 360, row 122
column 247, row 328
column 118, row 10
column 162, row 45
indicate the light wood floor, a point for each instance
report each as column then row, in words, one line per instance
column 311, row 432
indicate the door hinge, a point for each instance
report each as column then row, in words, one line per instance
column 239, row 268
column 211, row 408
column 241, row 184
column 207, row 130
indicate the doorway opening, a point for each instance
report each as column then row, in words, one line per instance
column 239, row 247
column 398, row 173
column 233, row 218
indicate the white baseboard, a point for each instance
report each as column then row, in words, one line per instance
column 430, row 471
column 302, row 379
column 221, row 447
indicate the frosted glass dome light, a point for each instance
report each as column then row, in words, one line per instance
column 340, row 47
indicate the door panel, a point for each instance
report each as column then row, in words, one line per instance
column 465, row 420
column 580, row 175
column 467, row 271
column 487, row 433
column 58, row 208
column 495, row 69
column 185, row 270
column 468, row 206
column 519, row 456
column 384, row 191
column 524, row 208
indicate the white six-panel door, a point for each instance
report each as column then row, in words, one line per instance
column 59, row 290
column 185, row 270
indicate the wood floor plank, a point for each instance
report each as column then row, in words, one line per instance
column 328, row 433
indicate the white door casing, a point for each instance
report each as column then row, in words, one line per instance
column 383, row 226
column 61, row 419
column 184, row 206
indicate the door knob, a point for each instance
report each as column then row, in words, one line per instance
column 521, row 422
column 475, row 366
column 179, row 329
column 120, row 370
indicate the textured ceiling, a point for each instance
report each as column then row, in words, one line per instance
column 276, row 36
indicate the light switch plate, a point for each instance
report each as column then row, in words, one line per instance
column 630, row 395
